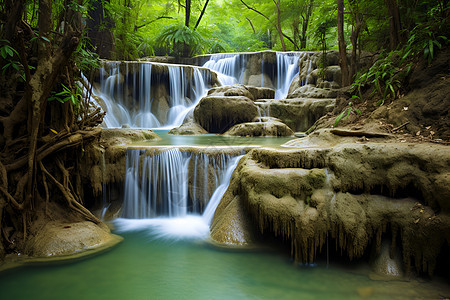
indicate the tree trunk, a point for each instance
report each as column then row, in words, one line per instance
column 296, row 31
column 342, row 46
column 355, row 37
column 395, row 26
column 280, row 33
column 99, row 31
column 187, row 14
column 305, row 24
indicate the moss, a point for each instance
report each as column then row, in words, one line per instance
column 307, row 195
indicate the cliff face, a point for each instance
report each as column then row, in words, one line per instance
column 350, row 194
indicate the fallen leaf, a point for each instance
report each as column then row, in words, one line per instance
column 428, row 127
column 418, row 132
column 416, row 221
column 54, row 131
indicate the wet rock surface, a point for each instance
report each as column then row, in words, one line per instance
column 354, row 193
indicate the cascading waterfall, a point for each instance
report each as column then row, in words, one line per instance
column 230, row 67
column 127, row 94
column 287, row 69
column 157, row 193
column 157, row 184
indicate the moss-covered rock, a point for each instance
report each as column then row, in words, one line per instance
column 350, row 194
column 268, row 128
column 217, row 114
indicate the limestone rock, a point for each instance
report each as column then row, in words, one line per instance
column 300, row 114
column 352, row 193
column 309, row 91
column 65, row 239
column 383, row 265
column 261, row 92
column 122, row 136
column 267, row 128
column 232, row 90
column 217, row 114
column 260, row 80
column 189, row 128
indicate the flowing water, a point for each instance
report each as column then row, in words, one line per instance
column 170, row 196
column 147, row 267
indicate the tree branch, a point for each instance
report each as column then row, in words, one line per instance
column 258, row 12
column 150, row 22
column 201, row 14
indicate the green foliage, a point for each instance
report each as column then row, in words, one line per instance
column 423, row 39
column 85, row 59
column 181, row 40
column 68, row 95
column 385, row 76
column 346, row 113
column 8, row 53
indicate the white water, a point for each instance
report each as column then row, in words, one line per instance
column 182, row 225
column 128, row 98
column 287, row 69
column 229, row 67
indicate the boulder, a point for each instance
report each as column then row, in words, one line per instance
column 261, row 92
column 271, row 127
column 58, row 239
column 300, row 114
column 217, row 114
column 189, row 128
column 232, row 90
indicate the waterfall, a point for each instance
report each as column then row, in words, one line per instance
column 287, row 69
column 229, row 67
column 127, row 89
column 208, row 214
column 141, row 204
column 158, row 183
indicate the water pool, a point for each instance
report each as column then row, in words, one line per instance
column 145, row 267
column 211, row 140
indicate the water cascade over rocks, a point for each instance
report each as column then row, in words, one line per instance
column 167, row 191
column 150, row 95
column 141, row 94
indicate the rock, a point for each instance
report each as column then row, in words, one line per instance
column 56, row 239
column 232, row 90
column 309, row 91
column 333, row 73
column 267, row 128
column 260, row 81
column 383, row 265
column 300, row 114
column 122, row 136
column 303, row 195
column 261, row 92
column 217, row 114
column 189, row 128
column 231, row 226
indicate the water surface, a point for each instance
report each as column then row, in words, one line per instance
column 146, row 267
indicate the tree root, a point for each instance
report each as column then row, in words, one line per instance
column 73, row 204
column 70, row 140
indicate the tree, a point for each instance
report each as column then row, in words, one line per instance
column 37, row 134
column 342, row 47
column 395, row 26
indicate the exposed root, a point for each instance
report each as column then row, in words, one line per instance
column 73, row 204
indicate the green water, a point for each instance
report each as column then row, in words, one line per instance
column 142, row 268
column 212, row 139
